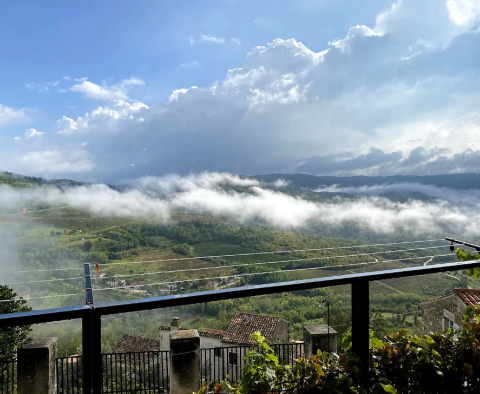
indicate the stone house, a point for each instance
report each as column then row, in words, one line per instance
column 444, row 312
column 226, row 349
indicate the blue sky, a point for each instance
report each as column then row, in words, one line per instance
column 373, row 88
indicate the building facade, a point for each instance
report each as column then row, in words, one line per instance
column 444, row 312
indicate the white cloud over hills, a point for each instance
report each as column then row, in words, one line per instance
column 401, row 96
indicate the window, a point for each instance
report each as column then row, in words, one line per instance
column 448, row 320
column 233, row 358
column 217, row 352
column 447, row 323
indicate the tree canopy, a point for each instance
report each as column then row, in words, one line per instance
column 11, row 338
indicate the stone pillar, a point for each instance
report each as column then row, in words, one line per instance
column 316, row 338
column 184, row 361
column 36, row 367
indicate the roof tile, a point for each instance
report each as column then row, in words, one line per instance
column 468, row 296
column 243, row 325
column 133, row 343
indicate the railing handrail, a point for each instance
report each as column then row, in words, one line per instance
column 91, row 314
column 112, row 308
column 43, row 316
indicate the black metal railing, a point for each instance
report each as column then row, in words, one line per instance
column 69, row 374
column 8, row 376
column 287, row 353
column 226, row 363
column 91, row 315
column 135, row 372
column 223, row 363
column 139, row 372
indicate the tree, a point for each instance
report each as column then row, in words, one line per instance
column 87, row 246
column 11, row 338
column 184, row 249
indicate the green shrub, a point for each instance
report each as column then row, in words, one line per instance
column 446, row 362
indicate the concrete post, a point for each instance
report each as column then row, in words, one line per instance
column 36, row 367
column 316, row 338
column 184, row 361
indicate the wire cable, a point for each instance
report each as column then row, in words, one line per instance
column 271, row 252
column 45, row 280
column 260, row 273
column 38, row 298
column 43, row 270
column 271, row 262
column 236, row 265
column 228, row 255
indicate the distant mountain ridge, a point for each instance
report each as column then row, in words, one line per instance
column 454, row 181
column 18, row 180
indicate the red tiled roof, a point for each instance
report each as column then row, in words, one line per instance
column 208, row 332
column 134, row 343
column 243, row 325
column 468, row 296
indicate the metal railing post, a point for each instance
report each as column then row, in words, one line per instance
column 96, row 360
column 361, row 320
column 87, row 351
column 87, row 334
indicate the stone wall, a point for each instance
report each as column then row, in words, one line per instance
column 434, row 312
column 281, row 331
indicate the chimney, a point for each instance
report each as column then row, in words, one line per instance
column 175, row 324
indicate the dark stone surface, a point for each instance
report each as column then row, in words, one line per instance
column 36, row 367
column 316, row 338
column 184, row 361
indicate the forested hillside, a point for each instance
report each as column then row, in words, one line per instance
column 44, row 249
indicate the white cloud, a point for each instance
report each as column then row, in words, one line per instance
column 81, row 79
column 54, row 161
column 189, row 64
column 8, row 114
column 354, row 32
column 17, row 138
column 65, row 126
column 235, row 41
column 208, row 39
column 464, row 12
column 428, row 23
column 46, row 86
column 117, row 111
column 362, row 104
column 31, row 133
column 201, row 194
column 118, row 91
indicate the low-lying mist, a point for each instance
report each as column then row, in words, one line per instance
column 456, row 196
column 246, row 200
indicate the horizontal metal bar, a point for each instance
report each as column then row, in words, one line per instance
column 43, row 316
column 111, row 308
column 453, row 240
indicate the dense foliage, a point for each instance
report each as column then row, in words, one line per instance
column 439, row 363
column 12, row 338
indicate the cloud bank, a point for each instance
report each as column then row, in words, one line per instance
column 400, row 96
column 203, row 194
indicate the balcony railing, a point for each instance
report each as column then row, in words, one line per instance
column 91, row 315
column 8, row 376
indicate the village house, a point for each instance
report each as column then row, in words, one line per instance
column 227, row 349
column 444, row 312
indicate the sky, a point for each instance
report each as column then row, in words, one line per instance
column 115, row 90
